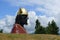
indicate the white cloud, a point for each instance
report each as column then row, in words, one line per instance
column 2, row 24
column 23, row 2
column 31, row 25
column 7, row 23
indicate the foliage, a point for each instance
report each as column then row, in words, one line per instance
column 1, row 31
column 38, row 28
column 50, row 29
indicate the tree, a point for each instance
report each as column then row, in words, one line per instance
column 1, row 31
column 38, row 28
column 52, row 28
column 37, row 24
column 48, row 28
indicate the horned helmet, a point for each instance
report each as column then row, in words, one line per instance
column 22, row 16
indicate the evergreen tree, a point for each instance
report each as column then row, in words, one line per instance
column 38, row 28
column 48, row 28
column 37, row 24
column 1, row 31
column 52, row 28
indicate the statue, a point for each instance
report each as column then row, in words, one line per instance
column 21, row 19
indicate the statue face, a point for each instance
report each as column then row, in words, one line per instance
column 21, row 19
column 24, row 19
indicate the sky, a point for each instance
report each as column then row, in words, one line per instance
column 44, row 10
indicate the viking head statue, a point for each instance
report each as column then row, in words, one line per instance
column 22, row 16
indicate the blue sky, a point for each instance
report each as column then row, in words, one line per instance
column 44, row 10
column 6, row 9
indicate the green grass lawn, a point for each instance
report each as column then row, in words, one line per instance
column 28, row 37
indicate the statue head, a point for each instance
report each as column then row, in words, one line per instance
column 22, row 16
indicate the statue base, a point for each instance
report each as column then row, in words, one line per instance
column 18, row 29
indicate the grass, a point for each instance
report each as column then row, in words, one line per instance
column 28, row 37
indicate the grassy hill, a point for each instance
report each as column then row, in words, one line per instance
column 29, row 37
